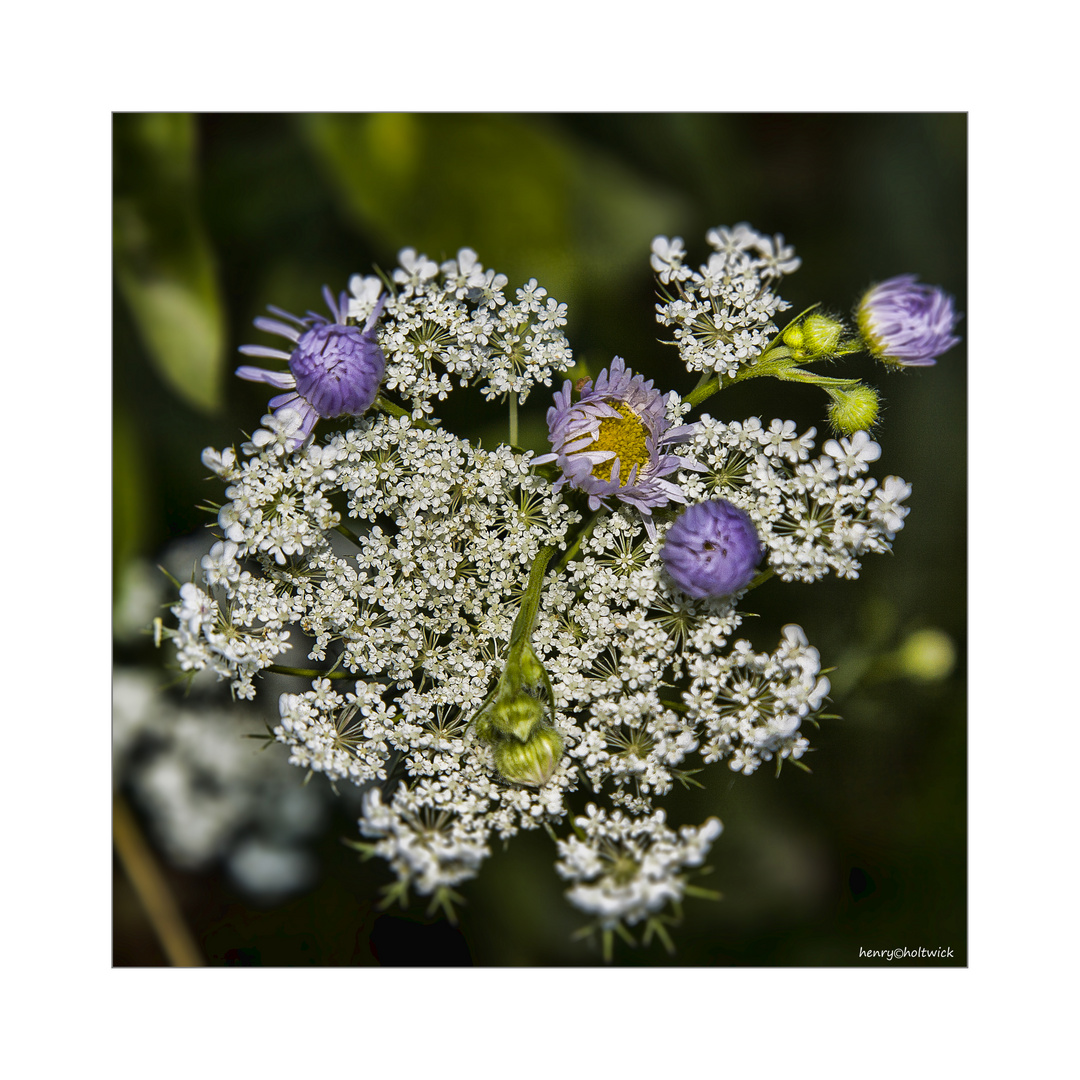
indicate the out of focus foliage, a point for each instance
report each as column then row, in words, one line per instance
column 164, row 262
column 218, row 215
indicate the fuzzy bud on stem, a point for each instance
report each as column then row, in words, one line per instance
column 815, row 335
column 927, row 655
column 853, row 410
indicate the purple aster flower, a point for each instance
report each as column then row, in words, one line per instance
column 712, row 549
column 334, row 369
column 906, row 323
column 611, row 442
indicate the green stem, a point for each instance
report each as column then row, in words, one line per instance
column 797, row 374
column 761, row 578
column 513, row 420
column 656, row 926
column 388, row 407
column 530, row 603
column 768, row 363
column 703, row 381
column 703, row 894
column 700, row 393
column 575, row 547
column 308, row 673
column 346, row 531
column 777, row 361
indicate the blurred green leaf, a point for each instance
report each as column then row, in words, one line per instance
column 131, row 509
column 448, row 182
column 526, row 196
column 619, row 213
column 162, row 257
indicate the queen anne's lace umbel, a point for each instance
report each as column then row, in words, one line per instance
column 455, row 322
column 723, row 312
column 396, row 556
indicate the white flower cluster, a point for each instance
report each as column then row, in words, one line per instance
column 455, row 320
column 750, row 705
column 224, row 638
column 723, row 312
column 813, row 514
column 643, row 637
column 417, row 608
column 627, row 869
column 344, row 737
column 400, row 555
column 430, row 848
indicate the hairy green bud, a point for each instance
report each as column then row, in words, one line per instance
column 517, row 717
column 822, row 334
column 815, row 335
column 853, row 410
column 521, row 700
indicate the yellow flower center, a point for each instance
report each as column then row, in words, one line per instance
column 626, row 437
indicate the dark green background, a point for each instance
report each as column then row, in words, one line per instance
column 218, row 215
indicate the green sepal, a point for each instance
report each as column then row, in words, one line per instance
column 514, row 716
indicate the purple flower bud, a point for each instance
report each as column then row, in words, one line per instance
column 334, row 369
column 338, row 369
column 906, row 323
column 712, row 549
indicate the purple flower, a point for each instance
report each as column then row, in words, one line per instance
column 906, row 323
column 712, row 549
column 334, row 370
column 611, row 441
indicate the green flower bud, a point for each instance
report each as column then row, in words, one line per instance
column 520, row 702
column 517, row 717
column 531, row 762
column 821, row 334
column 815, row 335
column 853, row 410
column 793, row 336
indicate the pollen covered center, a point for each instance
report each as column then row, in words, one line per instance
column 626, row 436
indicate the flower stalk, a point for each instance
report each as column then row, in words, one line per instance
column 810, row 337
column 152, row 889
